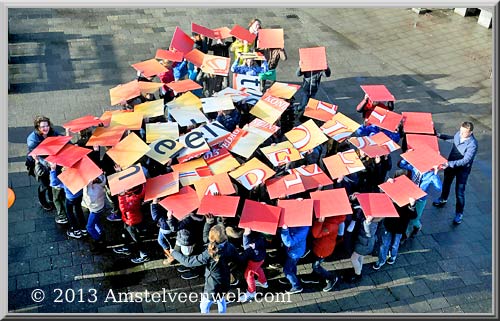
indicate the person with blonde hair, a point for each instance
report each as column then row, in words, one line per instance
column 216, row 257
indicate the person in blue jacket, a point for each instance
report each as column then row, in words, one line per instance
column 294, row 238
column 250, row 67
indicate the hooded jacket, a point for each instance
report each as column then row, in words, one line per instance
column 94, row 195
column 325, row 235
column 130, row 206
column 294, row 238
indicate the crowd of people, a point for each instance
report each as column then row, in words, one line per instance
column 218, row 244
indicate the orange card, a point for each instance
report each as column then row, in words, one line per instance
column 82, row 123
column 281, row 153
column 77, row 177
column 182, row 203
column 252, row 173
column 320, row 110
column 181, row 41
column 148, row 87
column 382, row 139
column 183, row 86
column 401, row 189
column 242, row 34
column 124, row 92
column 186, row 100
column 214, row 104
column 312, row 176
column 153, row 108
column 343, row 163
column 424, row 159
column 169, row 55
column 195, row 146
column 296, row 212
column 155, row 131
column 162, row 185
column 306, row 136
column 369, row 147
column 377, row 205
column 128, row 150
column 282, row 90
column 106, row 116
column 204, row 31
column 106, row 136
column 214, row 132
column 269, row 108
column 164, row 149
column 339, row 127
column 332, row 202
column 212, row 185
column 284, row 186
column 219, row 205
column 385, row 119
column 189, row 172
column 50, row 145
column 260, row 217
column 261, row 128
column 149, row 67
column 222, row 33
column 415, row 141
column 220, row 160
column 68, row 155
column 242, row 142
column 312, row 59
column 418, row 123
column 271, row 38
column 378, row 93
column 126, row 179
column 196, row 57
column 216, row 65
column 129, row 120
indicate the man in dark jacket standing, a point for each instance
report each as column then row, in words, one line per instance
column 310, row 86
column 459, row 165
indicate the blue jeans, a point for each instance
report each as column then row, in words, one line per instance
column 461, row 174
column 390, row 242
column 290, row 271
column 206, row 302
column 419, row 208
column 321, row 271
column 94, row 225
column 74, row 213
column 163, row 240
column 304, row 100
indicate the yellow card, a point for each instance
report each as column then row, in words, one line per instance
column 282, row 90
column 306, row 136
column 220, row 160
column 269, row 108
column 155, row 131
column 128, row 151
column 151, row 108
column 281, row 153
column 252, row 173
column 339, row 127
column 130, row 120
column 188, row 99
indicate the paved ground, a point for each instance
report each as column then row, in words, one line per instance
column 63, row 61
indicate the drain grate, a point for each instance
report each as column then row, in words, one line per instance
column 292, row 16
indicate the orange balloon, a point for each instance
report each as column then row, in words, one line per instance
column 11, row 197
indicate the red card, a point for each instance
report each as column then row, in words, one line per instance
column 68, row 155
column 215, row 184
column 242, row 33
column 377, row 205
column 385, row 119
column 296, row 212
column 260, row 217
column 312, row 176
column 222, row 33
column 418, row 123
column 199, row 29
column 181, row 41
column 378, row 93
column 312, row 59
column 375, row 150
column 77, row 177
column 283, row 186
column 169, row 55
column 182, row 203
column 126, row 179
column 106, row 136
column 183, row 86
column 162, row 185
column 424, row 159
column 149, row 67
column 415, row 141
column 343, row 163
column 332, row 202
column 196, row 57
column 50, row 145
column 271, row 38
column 401, row 189
column 219, row 205
column 124, row 92
column 82, row 123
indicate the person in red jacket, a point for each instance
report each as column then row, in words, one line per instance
column 324, row 231
column 130, row 205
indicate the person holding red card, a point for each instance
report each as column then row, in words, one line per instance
column 459, row 165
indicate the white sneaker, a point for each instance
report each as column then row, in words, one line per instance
column 245, row 297
column 262, row 285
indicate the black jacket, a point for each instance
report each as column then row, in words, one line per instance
column 398, row 225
